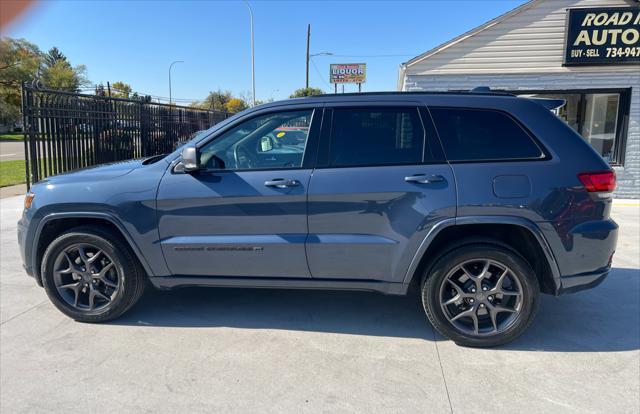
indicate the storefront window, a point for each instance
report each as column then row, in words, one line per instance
column 570, row 112
column 601, row 115
column 595, row 116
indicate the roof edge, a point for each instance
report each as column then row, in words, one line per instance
column 470, row 33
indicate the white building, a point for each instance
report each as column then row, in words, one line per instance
column 524, row 51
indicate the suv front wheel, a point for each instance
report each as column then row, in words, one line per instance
column 480, row 295
column 91, row 275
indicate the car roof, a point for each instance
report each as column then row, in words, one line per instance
column 381, row 97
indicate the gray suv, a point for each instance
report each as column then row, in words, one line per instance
column 480, row 201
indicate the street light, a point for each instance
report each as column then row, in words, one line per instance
column 253, row 70
column 309, row 57
column 170, row 66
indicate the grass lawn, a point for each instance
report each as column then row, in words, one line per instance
column 12, row 172
column 14, row 136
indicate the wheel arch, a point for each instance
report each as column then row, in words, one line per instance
column 514, row 233
column 54, row 224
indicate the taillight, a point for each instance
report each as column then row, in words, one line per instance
column 594, row 181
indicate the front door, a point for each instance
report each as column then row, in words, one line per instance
column 244, row 214
column 383, row 186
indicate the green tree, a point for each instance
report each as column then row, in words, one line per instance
column 63, row 77
column 120, row 89
column 217, row 100
column 263, row 101
column 197, row 104
column 57, row 72
column 299, row 93
column 20, row 61
column 53, row 55
column 222, row 101
column 236, row 105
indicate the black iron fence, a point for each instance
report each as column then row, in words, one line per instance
column 65, row 131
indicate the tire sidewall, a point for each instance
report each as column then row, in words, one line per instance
column 430, row 293
column 121, row 261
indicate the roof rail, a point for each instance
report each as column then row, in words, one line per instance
column 481, row 89
column 449, row 92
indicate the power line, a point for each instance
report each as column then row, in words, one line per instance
column 318, row 72
column 377, row 56
column 131, row 92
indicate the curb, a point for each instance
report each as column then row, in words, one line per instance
column 13, row 190
column 626, row 202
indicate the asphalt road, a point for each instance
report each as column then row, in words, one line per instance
column 11, row 150
column 221, row 350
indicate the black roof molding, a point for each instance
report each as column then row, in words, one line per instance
column 481, row 90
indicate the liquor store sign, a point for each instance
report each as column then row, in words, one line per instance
column 604, row 35
column 348, row 72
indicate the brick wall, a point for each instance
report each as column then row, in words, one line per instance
column 628, row 175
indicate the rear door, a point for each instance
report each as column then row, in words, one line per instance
column 380, row 186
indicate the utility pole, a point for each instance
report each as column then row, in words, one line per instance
column 308, row 40
column 253, row 67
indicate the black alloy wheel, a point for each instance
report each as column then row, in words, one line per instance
column 480, row 294
column 85, row 277
column 91, row 274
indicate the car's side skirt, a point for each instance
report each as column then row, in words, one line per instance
column 171, row 282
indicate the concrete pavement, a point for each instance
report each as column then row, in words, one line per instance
column 197, row 350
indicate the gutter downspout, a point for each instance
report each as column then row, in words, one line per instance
column 401, row 75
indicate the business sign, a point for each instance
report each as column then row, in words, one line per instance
column 348, row 72
column 604, row 35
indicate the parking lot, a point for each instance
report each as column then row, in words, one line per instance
column 219, row 350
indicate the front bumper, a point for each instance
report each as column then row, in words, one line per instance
column 24, row 246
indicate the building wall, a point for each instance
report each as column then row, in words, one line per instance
column 531, row 40
column 629, row 175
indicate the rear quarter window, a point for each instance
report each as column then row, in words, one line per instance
column 483, row 135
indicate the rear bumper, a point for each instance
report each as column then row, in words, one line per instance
column 588, row 260
column 573, row 284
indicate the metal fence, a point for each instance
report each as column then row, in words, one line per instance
column 65, row 131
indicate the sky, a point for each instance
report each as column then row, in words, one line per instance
column 136, row 41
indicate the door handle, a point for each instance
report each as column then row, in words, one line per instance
column 424, row 179
column 281, row 183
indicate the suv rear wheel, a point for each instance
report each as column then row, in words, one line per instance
column 480, row 295
column 91, row 275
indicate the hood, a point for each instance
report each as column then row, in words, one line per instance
column 97, row 172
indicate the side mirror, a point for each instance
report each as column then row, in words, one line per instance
column 188, row 160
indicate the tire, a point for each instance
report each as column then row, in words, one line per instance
column 502, row 313
column 122, row 280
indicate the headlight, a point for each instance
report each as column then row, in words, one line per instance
column 28, row 199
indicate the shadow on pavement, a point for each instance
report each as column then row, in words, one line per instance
column 605, row 319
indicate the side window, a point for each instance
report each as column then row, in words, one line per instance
column 375, row 136
column 272, row 141
column 479, row 134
